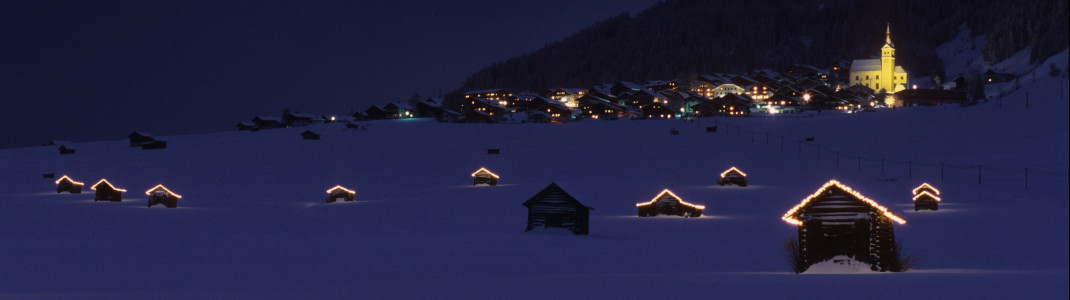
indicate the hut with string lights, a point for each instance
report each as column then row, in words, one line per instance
column 837, row 220
column 107, row 192
column 66, row 184
column 484, row 176
column 161, row 195
column 667, row 203
column 733, row 176
column 553, row 207
column 340, row 193
column 926, row 197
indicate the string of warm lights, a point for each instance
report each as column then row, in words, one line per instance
column 923, row 193
column 732, row 169
column 339, row 187
column 667, row 191
column 790, row 215
column 103, row 181
column 68, row 179
column 924, row 186
column 161, row 187
column 485, row 171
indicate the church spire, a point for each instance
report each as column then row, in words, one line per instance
column 888, row 34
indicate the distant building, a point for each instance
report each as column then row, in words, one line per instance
column 667, row 203
column 66, row 184
column 926, row 197
column 161, row 195
column 340, row 193
column 107, row 192
column 880, row 74
column 553, row 207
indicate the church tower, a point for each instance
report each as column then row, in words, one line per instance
column 887, row 74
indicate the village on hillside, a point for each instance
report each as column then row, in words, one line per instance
column 849, row 86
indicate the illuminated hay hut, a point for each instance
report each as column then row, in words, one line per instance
column 733, row 176
column 553, row 207
column 138, row 138
column 107, row 192
column 339, row 192
column 66, row 184
column 161, row 195
column 926, row 197
column 667, row 203
column 309, row 135
column 484, row 176
column 837, row 220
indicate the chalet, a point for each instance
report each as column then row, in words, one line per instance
column 657, row 111
column 554, row 109
column 477, row 116
column 837, row 220
column 490, row 107
column 429, row 108
column 309, row 135
column 398, row 110
column 251, row 126
column 374, row 113
column 157, row 144
column 138, row 138
column 733, row 176
column 667, row 86
column 667, row 203
column 625, row 87
column 107, row 192
column 727, row 105
column 686, row 101
column 300, row 119
column 929, row 97
column 501, row 97
column 642, row 98
column 161, row 195
column 340, row 193
column 64, row 150
column 450, row 116
column 705, row 85
column 926, row 197
column 66, row 184
column 597, row 109
column 570, row 97
column 484, row 176
column 553, row 207
column 267, row 122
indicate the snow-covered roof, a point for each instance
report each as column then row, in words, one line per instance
column 267, row 118
column 866, row 65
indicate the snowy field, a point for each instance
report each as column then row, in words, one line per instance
column 252, row 221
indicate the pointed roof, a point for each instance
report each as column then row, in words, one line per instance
column 106, row 183
column 667, row 194
column 340, row 188
column 68, row 179
column 553, row 194
column 161, row 187
column 924, row 187
column 485, row 171
column 792, row 216
column 726, row 172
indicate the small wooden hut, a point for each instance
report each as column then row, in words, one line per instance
column 339, row 192
column 837, row 220
column 309, row 135
column 926, row 197
column 138, row 138
column 733, row 176
column 161, row 195
column 64, row 150
column 553, row 207
column 484, row 176
column 107, row 192
column 667, row 203
column 66, row 184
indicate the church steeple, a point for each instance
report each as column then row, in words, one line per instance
column 888, row 35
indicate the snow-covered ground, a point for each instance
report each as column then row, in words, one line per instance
column 252, row 222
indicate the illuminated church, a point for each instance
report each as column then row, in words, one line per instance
column 880, row 74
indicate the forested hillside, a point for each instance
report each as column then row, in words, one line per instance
column 679, row 38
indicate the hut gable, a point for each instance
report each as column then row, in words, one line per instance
column 137, row 138
column 484, row 176
column 553, row 207
column 837, row 220
column 926, row 197
column 733, row 176
column 667, row 203
column 66, row 184
column 338, row 192
column 309, row 135
column 161, row 195
column 107, row 192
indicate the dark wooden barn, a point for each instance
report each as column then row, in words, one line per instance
column 107, row 192
column 309, row 135
column 340, row 193
column 64, row 150
column 667, row 203
column 484, row 176
column 138, row 138
column 733, row 176
column 161, row 195
column 157, row 144
column 926, row 197
column 553, row 207
column 837, row 220
column 66, row 184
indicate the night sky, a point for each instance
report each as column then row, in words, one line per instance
column 98, row 70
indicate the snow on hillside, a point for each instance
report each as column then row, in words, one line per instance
column 252, row 222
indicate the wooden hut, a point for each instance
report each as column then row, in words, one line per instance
column 339, row 192
column 64, row 150
column 837, row 220
column 309, row 135
column 107, row 192
column 667, row 203
column 66, row 184
column 553, row 207
column 484, row 176
column 138, row 138
column 926, row 197
column 161, row 195
column 733, row 176
column 157, row 144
